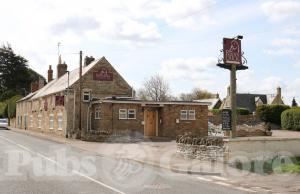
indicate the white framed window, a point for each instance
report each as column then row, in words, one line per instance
column 183, row 114
column 39, row 121
column 51, row 121
column 192, row 115
column 31, row 121
column 59, row 121
column 131, row 114
column 97, row 113
column 122, row 113
column 86, row 95
column 187, row 115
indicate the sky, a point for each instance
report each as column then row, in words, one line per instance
column 178, row 39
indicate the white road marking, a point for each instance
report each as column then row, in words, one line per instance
column 245, row 189
column 224, row 184
column 219, row 178
column 61, row 166
column 204, row 179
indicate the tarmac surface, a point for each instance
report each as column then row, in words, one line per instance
column 30, row 164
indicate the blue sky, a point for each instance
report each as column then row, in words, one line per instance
column 179, row 39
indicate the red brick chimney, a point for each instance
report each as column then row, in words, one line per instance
column 50, row 74
column 61, row 68
column 34, row 86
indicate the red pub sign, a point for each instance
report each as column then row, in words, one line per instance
column 103, row 74
column 232, row 51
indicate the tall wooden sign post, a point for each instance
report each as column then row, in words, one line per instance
column 232, row 60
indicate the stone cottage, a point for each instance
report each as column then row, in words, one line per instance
column 107, row 104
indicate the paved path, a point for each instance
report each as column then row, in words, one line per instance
column 33, row 165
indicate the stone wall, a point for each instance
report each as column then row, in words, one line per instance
column 109, row 119
column 170, row 128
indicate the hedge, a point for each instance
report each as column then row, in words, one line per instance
column 242, row 111
column 216, row 111
column 290, row 119
column 3, row 110
column 271, row 113
column 239, row 111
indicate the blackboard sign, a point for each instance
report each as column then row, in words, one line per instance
column 226, row 119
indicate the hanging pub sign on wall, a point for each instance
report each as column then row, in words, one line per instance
column 103, row 74
column 232, row 51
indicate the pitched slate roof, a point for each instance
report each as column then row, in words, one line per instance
column 60, row 84
column 212, row 102
column 248, row 100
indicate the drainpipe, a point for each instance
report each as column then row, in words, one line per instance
column 88, row 121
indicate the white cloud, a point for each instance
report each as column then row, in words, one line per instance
column 188, row 69
column 187, row 73
column 280, row 10
column 297, row 64
column 286, row 42
column 192, row 14
column 280, row 51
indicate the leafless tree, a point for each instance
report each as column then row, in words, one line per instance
column 155, row 88
column 196, row 94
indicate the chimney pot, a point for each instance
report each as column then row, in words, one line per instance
column 88, row 60
column 50, row 74
column 61, row 68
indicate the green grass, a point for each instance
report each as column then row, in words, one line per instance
column 289, row 168
column 275, row 165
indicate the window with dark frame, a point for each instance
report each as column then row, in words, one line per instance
column 131, row 114
column 86, row 96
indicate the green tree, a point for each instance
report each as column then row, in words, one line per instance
column 15, row 76
column 197, row 94
column 294, row 103
column 11, row 106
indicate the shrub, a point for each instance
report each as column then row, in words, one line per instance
column 3, row 110
column 239, row 111
column 216, row 111
column 271, row 113
column 242, row 111
column 290, row 119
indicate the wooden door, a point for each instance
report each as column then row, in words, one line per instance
column 150, row 123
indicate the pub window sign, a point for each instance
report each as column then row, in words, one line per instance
column 232, row 51
column 103, row 74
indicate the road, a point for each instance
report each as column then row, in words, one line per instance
column 33, row 165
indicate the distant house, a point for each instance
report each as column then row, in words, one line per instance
column 251, row 101
column 214, row 103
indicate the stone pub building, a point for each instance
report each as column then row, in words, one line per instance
column 107, row 105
